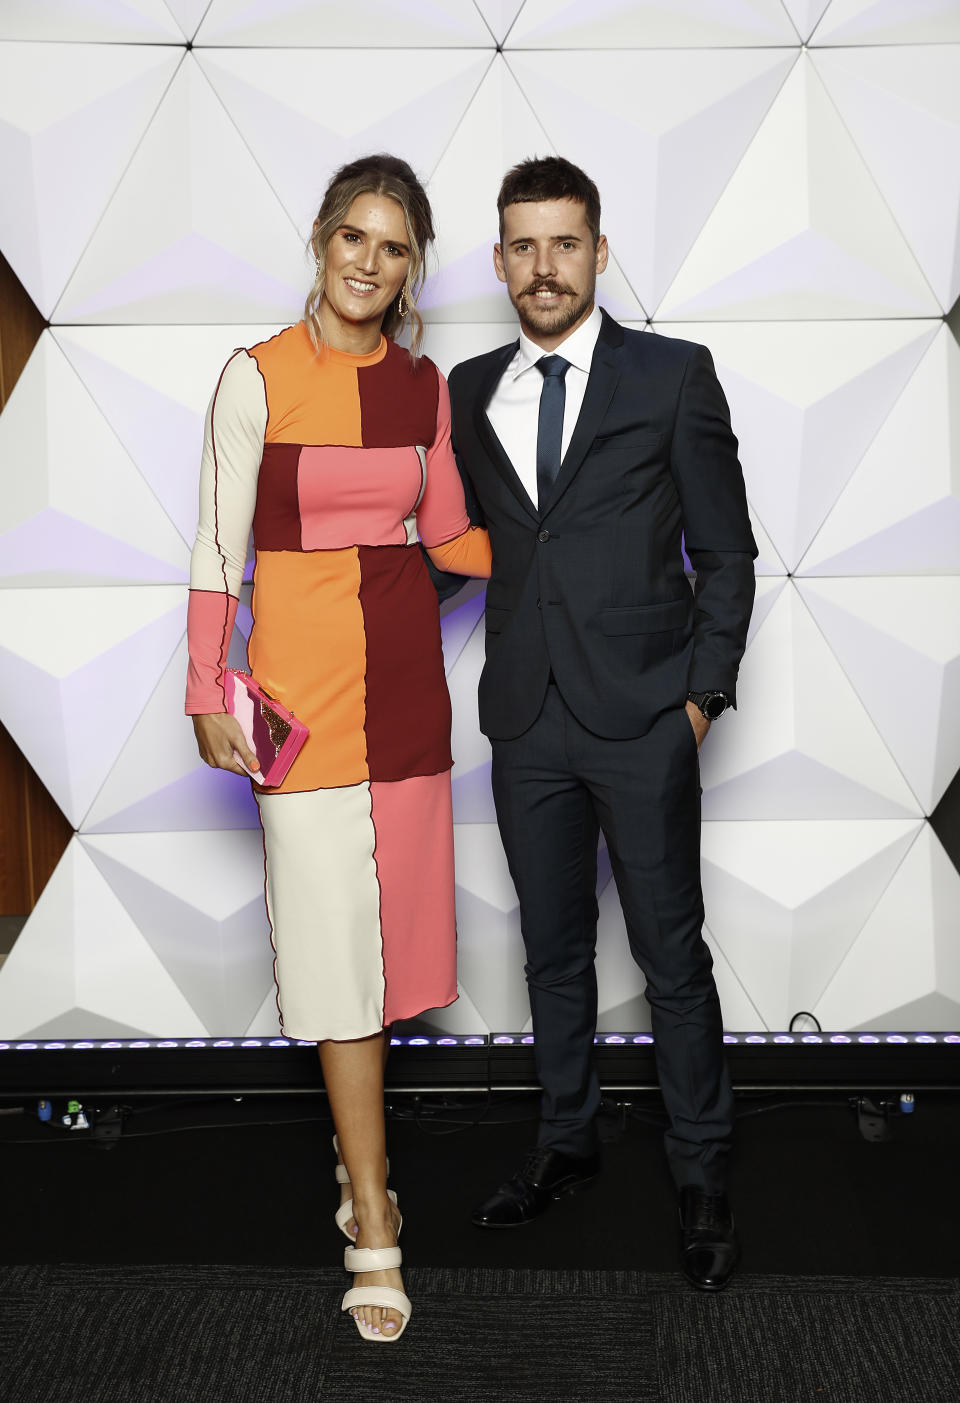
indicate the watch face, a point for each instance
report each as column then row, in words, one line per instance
column 714, row 705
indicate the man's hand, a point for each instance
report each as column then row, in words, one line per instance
column 218, row 735
column 698, row 721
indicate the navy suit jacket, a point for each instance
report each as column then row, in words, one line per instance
column 592, row 587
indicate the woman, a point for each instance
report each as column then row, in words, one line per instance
column 334, row 444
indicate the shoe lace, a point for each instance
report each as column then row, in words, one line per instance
column 533, row 1163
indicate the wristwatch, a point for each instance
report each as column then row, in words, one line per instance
column 711, row 704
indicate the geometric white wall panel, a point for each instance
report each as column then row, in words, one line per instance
column 76, row 669
column 786, row 900
column 801, row 231
column 158, row 782
column 805, row 14
column 800, row 745
column 448, row 343
column 768, row 561
column 152, row 384
column 499, row 16
column 288, row 101
column 74, row 509
column 71, row 117
column 490, row 954
column 650, row 24
column 81, row 968
column 472, row 798
column 685, row 118
column 806, row 399
column 903, row 970
column 768, row 591
column 890, row 22
column 900, row 511
column 902, row 106
column 218, row 246
column 898, row 640
column 362, row 24
column 105, row 22
column 497, row 130
column 188, row 14
column 197, row 899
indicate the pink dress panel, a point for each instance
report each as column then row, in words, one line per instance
column 413, row 822
column 356, row 496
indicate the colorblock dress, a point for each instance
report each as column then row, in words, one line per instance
column 341, row 464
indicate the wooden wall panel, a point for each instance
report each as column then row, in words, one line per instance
column 33, row 831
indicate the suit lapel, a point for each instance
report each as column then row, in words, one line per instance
column 494, row 448
column 604, row 375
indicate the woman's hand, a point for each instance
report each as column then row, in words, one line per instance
column 218, row 735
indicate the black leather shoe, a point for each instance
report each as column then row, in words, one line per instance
column 709, row 1249
column 543, row 1176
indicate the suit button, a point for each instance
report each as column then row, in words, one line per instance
column 539, row 604
column 543, row 535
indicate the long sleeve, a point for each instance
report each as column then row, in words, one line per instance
column 445, row 531
column 716, row 524
column 232, row 450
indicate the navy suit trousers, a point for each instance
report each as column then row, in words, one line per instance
column 556, row 788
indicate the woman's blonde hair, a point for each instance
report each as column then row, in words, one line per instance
column 374, row 175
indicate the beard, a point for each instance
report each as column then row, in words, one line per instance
column 555, row 320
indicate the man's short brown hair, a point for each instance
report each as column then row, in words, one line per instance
column 550, row 178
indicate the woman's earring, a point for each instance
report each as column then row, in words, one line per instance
column 316, row 259
column 401, row 309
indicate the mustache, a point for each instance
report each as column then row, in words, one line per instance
column 546, row 285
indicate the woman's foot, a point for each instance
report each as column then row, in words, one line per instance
column 377, row 1227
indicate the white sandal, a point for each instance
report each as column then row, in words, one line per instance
column 361, row 1259
column 345, row 1212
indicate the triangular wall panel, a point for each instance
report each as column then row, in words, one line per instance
column 807, row 398
column 71, row 117
column 851, row 22
column 305, row 23
column 902, row 106
column 288, row 101
column 900, row 511
column 800, row 745
column 76, row 511
column 898, row 640
column 152, row 384
column 785, row 901
column 219, row 248
column 102, row 22
column 903, row 971
column 82, row 968
column 76, row 669
column 801, row 231
column 650, row 24
column 683, row 119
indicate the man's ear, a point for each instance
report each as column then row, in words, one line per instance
column 603, row 253
column 500, row 270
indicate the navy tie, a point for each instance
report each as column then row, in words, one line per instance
column 553, row 398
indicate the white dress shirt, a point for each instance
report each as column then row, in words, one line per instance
column 514, row 410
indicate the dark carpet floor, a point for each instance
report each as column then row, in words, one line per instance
column 255, row 1335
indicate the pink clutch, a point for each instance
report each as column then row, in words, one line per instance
column 272, row 732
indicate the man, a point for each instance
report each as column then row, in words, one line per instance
column 589, row 450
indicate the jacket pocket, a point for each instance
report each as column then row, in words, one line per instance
column 494, row 619
column 645, row 618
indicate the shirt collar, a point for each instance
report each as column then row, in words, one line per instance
column 578, row 348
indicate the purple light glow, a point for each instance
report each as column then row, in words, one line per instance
column 756, row 1038
column 839, row 1038
column 503, row 1041
column 527, row 1040
column 812, row 1038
